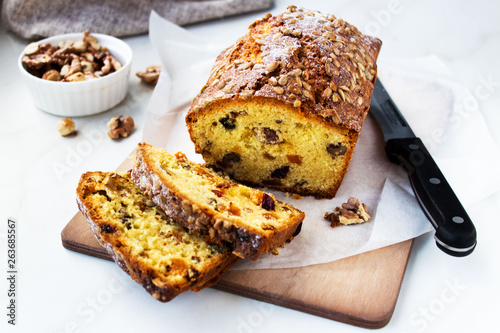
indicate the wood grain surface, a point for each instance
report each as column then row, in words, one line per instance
column 361, row 290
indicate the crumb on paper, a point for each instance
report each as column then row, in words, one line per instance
column 352, row 212
column 293, row 195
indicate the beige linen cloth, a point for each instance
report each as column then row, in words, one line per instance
column 34, row 19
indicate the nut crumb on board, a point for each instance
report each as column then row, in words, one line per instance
column 352, row 212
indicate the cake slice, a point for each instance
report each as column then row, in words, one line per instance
column 250, row 221
column 151, row 247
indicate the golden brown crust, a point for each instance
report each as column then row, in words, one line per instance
column 317, row 67
column 106, row 230
column 247, row 239
column 317, row 63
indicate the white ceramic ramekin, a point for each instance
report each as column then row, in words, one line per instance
column 83, row 98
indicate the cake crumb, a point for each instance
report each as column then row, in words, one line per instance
column 352, row 212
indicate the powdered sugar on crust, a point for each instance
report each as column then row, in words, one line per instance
column 317, row 63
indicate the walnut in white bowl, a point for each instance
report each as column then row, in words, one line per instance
column 76, row 74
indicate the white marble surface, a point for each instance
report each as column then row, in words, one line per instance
column 61, row 291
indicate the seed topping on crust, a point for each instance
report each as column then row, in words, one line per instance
column 308, row 59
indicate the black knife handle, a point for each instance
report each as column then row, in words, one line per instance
column 455, row 232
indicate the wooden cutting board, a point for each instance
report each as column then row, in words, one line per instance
column 361, row 290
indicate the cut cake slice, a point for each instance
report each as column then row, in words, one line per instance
column 151, row 247
column 250, row 221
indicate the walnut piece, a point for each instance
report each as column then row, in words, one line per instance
column 66, row 126
column 120, row 127
column 70, row 61
column 151, row 75
column 352, row 212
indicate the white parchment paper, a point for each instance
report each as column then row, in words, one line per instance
column 437, row 109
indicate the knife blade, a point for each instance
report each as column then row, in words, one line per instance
column 455, row 233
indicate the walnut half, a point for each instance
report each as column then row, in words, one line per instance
column 352, row 212
column 150, row 76
column 120, row 127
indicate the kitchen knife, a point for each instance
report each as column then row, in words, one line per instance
column 455, row 232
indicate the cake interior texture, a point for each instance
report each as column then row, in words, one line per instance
column 267, row 144
column 155, row 250
column 250, row 221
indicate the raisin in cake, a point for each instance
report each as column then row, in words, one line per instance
column 251, row 221
column 147, row 244
column 283, row 107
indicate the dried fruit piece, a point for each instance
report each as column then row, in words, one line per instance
column 233, row 209
column 297, row 159
column 267, row 135
column 229, row 159
column 218, row 193
column 228, row 122
column 66, row 126
column 256, row 197
column 267, row 202
column 336, row 149
column 107, row 228
column 221, row 185
column 280, row 173
column 269, row 216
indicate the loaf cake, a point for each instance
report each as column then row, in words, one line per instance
column 283, row 107
column 250, row 221
column 151, row 247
